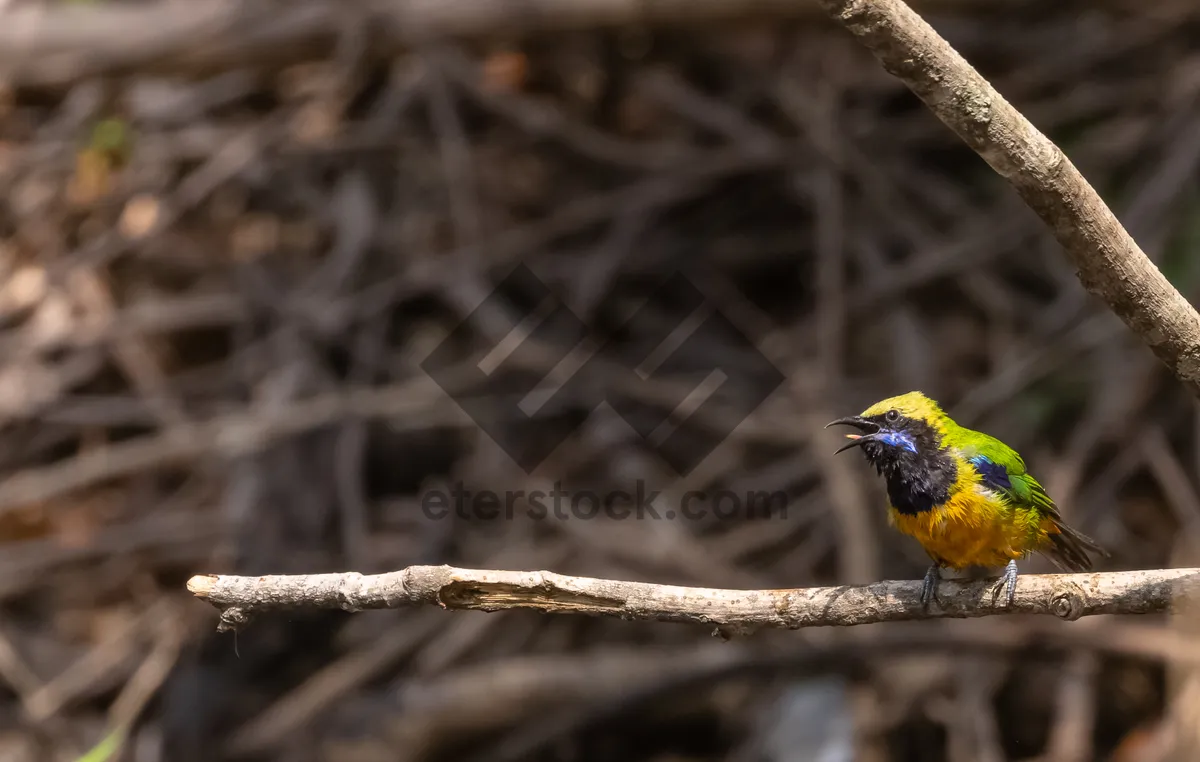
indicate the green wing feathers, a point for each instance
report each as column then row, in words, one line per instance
column 1002, row 470
column 1030, row 492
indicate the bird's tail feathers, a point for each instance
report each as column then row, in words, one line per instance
column 1068, row 549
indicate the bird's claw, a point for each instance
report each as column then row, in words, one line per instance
column 1006, row 584
column 929, row 586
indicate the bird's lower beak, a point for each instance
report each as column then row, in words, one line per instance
column 869, row 429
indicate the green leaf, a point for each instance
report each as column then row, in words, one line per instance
column 111, row 136
column 106, row 749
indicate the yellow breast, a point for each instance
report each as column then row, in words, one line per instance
column 975, row 527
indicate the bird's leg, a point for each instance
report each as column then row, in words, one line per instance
column 1007, row 583
column 929, row 586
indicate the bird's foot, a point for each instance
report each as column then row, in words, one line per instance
column 929, row 586
column 1006, row 584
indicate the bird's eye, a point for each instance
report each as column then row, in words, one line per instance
column 891, row 416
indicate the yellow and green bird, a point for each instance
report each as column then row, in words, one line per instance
column 964, row 495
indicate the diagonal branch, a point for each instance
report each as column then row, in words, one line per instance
column 1109, row 263
column 1068, row 596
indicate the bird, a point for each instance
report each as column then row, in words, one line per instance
column 964, row 495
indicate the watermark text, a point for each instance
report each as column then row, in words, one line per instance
column 638, row 504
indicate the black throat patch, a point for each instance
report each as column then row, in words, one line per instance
column 916, row 481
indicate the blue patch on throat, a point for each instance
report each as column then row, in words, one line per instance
column 898, row 439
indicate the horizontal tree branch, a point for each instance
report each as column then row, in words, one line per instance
column 1068, row 596
column 1109, row 262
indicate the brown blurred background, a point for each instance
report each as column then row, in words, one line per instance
column 222, row 273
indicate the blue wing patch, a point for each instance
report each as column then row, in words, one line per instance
column 995, row 476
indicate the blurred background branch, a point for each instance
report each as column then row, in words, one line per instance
column 56, row 45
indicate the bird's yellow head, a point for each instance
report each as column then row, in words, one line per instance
column 913, row 405
column 901, row 436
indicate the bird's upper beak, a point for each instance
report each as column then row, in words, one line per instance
column 869, row 429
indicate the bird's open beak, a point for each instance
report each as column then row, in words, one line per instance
column 869, row 429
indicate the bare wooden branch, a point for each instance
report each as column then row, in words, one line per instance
column 1068, row 596
column 1109, row 262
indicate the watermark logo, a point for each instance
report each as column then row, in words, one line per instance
column 629, row 378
